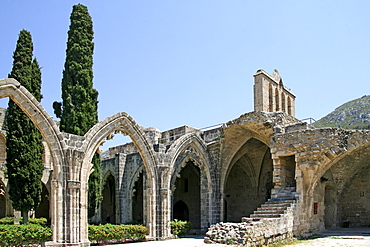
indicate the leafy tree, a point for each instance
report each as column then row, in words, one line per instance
column 24, row 142
column 78, row 111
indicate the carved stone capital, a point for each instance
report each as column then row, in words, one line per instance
column 72, row 184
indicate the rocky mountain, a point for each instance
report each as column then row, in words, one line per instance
column 354, row 114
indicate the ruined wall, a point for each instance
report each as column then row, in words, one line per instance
column 328, row 164
column 354, row 201
column 253, row 233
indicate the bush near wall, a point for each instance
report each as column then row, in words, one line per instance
column 180, row 228
column 38, row 221
column 37, row 232
column 20, row 235
column 109, row 233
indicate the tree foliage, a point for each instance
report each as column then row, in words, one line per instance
column 78, row 111
column 24, row 142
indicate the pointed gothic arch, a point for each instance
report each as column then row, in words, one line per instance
column 122, row 123
column 191, row 148
column 247, row 182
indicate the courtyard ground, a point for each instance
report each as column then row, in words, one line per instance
column 343, row 237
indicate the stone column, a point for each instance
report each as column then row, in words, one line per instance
column 69, row 204
column 121, row 200
column 162, row 200
column 205, row 200
column 165, row 215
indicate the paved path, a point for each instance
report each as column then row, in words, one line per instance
column 190, row 241
column 344, row 237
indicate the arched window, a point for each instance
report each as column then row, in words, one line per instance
column 289, row 106
column 283, row 102
column 277, row 101
column 271, row 101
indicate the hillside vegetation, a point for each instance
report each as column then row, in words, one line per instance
column 354, row 114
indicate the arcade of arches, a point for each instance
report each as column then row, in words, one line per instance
column 205, row 176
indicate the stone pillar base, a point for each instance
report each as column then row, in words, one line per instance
column 55, row 244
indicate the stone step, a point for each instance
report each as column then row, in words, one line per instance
column 275, row 206
column 281, row 197
column 285, row 195
column 281, row 200
column 271, row 210
column 272, row 207
column 261, row 216
column 277, row 203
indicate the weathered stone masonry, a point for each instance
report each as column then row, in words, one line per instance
column 265, row 167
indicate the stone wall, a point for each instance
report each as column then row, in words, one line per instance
column 253, row 233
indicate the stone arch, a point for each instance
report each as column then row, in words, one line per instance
column 54, row 139
column 334, row 189
column 106, row 175
column 326, row 166
column 43, row 121
column 181, row 211
column 271, row 99
column 277, row 100
column 191, row 147
column 248, row 177
column 240, row 136
column 283, row 103
column 289, row 106
column 194, row 148
column 125, row 124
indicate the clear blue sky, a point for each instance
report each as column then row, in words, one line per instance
column 191, row 62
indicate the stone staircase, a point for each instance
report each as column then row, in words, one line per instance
column 277, row 205
column 271, row 222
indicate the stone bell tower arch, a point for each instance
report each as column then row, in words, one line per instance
column 270, row 94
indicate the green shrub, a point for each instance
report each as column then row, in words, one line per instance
column 119, row 233
column 180, row 228
column 7, row 221
column 39, row 221
column 19, row 235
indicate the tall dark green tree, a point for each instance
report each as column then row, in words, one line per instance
column 23, row 141
column 78, row 111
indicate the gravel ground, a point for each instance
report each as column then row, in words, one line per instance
column 344, row 237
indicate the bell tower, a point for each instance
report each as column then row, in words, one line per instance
column 270, row 94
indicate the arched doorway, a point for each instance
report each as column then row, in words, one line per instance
column 345, row 191
column 138, row 200
column 186, row 197
column 42, row 211
column 108, row 205
column 181, row 211
column 354, row 201
column 249, row 180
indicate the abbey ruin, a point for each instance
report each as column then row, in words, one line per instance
column 264, row 170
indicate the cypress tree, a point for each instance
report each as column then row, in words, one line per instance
column 24, row 142
column 78, row 111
